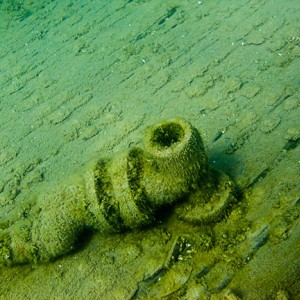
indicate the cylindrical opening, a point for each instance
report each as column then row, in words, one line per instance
column 166, row 135
column 175, row 160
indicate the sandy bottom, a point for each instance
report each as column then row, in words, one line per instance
column 83, row 79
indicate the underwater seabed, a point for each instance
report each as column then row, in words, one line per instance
column 202, row 240
column 83, row 86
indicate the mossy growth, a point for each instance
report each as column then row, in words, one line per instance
column 135, row 173
column 124, row 192
column 5, row 252
column 104, row 192
column 167, row 135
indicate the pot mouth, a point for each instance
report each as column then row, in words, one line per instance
column 167, row 135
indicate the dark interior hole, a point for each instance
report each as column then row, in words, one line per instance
column 83, row 239
column 167, row 135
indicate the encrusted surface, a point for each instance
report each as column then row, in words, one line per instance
column 80, row 79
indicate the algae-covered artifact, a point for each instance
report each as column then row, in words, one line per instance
column 111, row 195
